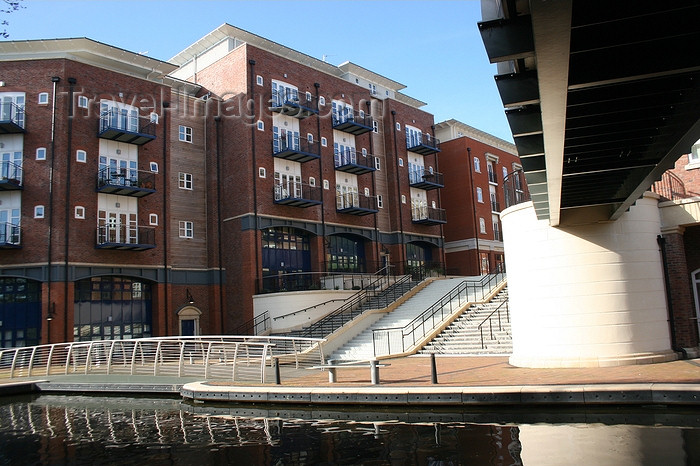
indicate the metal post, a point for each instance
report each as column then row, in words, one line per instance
column 278, row 379
column 374, row 369
column 433, row 369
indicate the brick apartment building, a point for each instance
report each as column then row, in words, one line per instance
column 141, row 197
column 477, row 167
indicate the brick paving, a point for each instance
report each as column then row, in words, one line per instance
column 495, row 370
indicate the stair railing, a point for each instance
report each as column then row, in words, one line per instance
column 489, row 318
column 255, row 326
column 393, row 340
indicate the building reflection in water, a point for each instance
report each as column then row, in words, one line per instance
column 53, row 429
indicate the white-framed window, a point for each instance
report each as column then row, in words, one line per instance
column 39, row 211
column 377, row 163
column 262, row 173
column 312, row 181
column 477, row 165
column 364, row 152
column 505, row 172
column 400, row 162
column 433, row 204
column 186, row 229
column 185, row 133
column 154, row 167
column 184, row 180
column 80, row 156
column 366, row 190
column 380, row 201
column 375, row 126
column 154, row 117
column 41, row 153
column 43, row 98
column 80, row 212
column 259, row 80
column 321, row 100
column 261, row 125
column 82, row 101
column 482, row 225
column 479, row 195
column 310, row 137
column 324, row 142
column 372, row 89
column 398, row 126
column 326, row 184
column 403, row 199
column 153, row 219
column 694, row 156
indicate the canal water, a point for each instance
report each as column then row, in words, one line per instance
column 61, row 429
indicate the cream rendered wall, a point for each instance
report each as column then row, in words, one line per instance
column 586, row 295
column 279, row 304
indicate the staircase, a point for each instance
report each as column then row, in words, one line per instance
column 361, row 347
column 353, row 308
column 464, row 337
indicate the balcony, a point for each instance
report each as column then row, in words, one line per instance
column 352, row 122
column 425, row 215
column 495, row 205
column 10, row 176
column 11, row 118
column 125, row 237
column 126, row 182
column 122, row 127
column 422, row 144
column 287, row 102
column 10, row 235
column 425, row 179
column 349, row 161
column 497, row 235
column 298, row 195
column 492, row 177
column 291, row 147
column 355, row 204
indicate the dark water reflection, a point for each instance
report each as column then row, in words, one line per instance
column 56, row 429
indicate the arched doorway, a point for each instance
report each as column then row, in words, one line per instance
column 189, row 321
column 20, row 312
column 346, row 253
column 286, row 255
column 112, row 307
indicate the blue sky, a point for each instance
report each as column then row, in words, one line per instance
column 432, row 47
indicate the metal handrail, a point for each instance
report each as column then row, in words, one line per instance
column 489, row 318
column 671, row 187
column 253, row 324
column 416, row 330
column 237, row 358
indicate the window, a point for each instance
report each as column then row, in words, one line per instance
column 482, row 225
column 261, row 125
column 41, row 153
column 153, row 219
column 81, row 156
column 324, row 142
column 154, row 167
column 694, row 156
column 185, row 133
column 479, row 195
column 477, row 165
column 82, row 101
column 398, row 126
column 377, row 163
column 262, row 173
column 186, row 229
column 505, row 173
column 372, row 89
column 403, row 199
column 375, row 126
column 259, row 80
column 39, row 211
column 154, row 118
column 312, row 181
column 380, row 201
column 322, row 100
column 326, row 184
column 79, row 212
column 43, row 98
column 310, row 137
column 364, row 152
column 308, row 96
column 366, row 192
column 185, row 180
column 400, row 162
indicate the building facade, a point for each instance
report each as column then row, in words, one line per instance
column 142, row 198
column 482, row 174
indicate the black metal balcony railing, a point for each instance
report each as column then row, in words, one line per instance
column 350, row 161
column 119, row 126
column 422, row 144
column 352, row 122
column 298, row 195
column 495, row 205
column 497, row 235
column 425, row 215
column 10, row 176
column 126, row 182
column 291, row 147
column 125, row 237
column 492, row 177
column 12, row 118
column 10, row 235
column 670, row 187
column 514, row 188
column 425, row 179
column 293, row 103
column 355, row 204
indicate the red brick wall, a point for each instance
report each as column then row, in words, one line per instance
column 681, row 294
